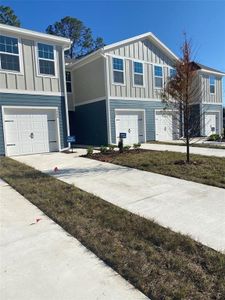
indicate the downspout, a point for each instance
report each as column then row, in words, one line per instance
column 65, row 95
column 106, row 70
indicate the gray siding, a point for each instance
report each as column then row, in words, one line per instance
column 29, row 80
column 146, row 52
column 34, row 100
column 88, row 81
column 206, row 96
column 148, row 106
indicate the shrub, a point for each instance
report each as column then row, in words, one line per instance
column 214, row 137
column 112, row 147
column 90, row 150
column 136, row 146
column 126, row 148
column 103, row 149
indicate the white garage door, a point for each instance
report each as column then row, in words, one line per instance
column 164, row 126
column 29, row 131
column 210, row 124
column 131, row 123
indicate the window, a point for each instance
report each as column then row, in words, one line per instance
column 138, row 73
column 9, row 54
column 68, row 82
column 118, row 70
column 158, row 72
column 212, row 84
column 173, row 73
column 46, row 59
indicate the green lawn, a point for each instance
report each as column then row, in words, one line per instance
column 160, row 263
column 205, row 169
column 192, row 144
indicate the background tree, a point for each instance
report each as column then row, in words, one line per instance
column 8, row 17
column 182, row 91
column 81, row 36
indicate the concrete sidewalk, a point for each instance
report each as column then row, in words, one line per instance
column 39, row 260
column 185, row 206
column 182, row 149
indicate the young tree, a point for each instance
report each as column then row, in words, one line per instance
column 81, row 36
column 181, row 92
column 8, row 17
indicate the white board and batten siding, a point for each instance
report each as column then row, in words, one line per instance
column 143, row 51
column 207, row 97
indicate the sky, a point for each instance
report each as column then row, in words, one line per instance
column 202, row 20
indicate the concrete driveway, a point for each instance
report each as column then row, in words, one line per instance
column 39, row 260
column 182, row 149
column 184, row 206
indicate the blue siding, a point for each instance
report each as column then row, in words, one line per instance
column 148, row 106
column 89, row 124
column 34, row 100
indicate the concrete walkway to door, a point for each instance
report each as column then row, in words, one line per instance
column 182, row 149
column 39, row 260
column 185, row 206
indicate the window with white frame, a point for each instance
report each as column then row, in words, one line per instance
column 118, row 70
column 46, row 59
column 138, row 73
column 173, row 73
column 9, row 54
column 158, row 75
column 212, row 84
column 68, row 82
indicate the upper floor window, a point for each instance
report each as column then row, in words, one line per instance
column 138, row 73
column 46, row 59
column 212, row 84
column 158, row 75
column 118, row 70
column 9, row 54
column 68, row 82
column 173, row 73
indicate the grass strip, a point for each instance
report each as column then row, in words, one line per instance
column 205, row 169
column 198, row 145
column 159, row 262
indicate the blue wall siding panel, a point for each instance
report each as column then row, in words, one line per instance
column 89, row 124
column 34, row 100
column 148, row 106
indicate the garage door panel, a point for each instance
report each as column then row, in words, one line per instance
column 27, row 131
column 210, row 124
column 131, row 123
column 164, row 126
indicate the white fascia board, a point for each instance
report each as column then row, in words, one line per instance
column 87, row 59
column 34, row 34
column 148, row 35
column 212, row 72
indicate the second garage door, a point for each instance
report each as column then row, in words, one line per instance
column 29, row 131
column 166, row 126
column 131, row 123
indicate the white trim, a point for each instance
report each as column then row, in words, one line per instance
column 213, row 112
column 65, row 94
column 149, row 35
column 107, row 91
column 138, row 60
column 91, row 101
column 27, row 92
column 134, row 73
column 212, row 72
column 133, row 99
column 163, row 80
column 112, row 71
column 56, row 59
column 25, row 32
column 55, row 108
column 133, row 110
column 210, row 103
column 20, row 55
